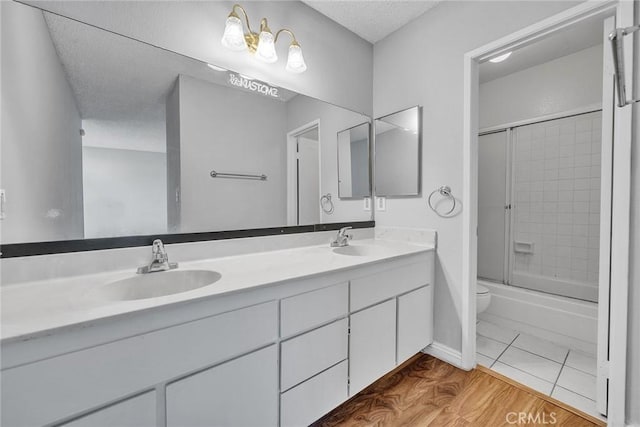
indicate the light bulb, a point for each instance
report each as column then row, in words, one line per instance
column 295, row 61
column 233, row 37
column 266, row 47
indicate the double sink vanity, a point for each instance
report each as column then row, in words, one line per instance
column 269, row 338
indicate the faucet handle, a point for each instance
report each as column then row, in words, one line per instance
column 157, row 246
column 343, row 230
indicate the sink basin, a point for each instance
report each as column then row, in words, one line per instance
column 361, row 250
column 159, row 284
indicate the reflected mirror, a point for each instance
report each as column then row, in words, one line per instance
column 353, row 162
column 398, row 153
column 105, row 136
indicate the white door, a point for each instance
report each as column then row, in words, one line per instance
column 308, row 181
column 492, row 201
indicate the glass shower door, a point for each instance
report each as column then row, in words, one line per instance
column 492, row 213
column 556, row 201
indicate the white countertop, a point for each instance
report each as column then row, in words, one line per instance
column 31, row 309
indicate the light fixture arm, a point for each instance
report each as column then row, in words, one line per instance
column 286, row 30
column 244, row 12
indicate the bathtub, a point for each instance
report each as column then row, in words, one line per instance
column 566, row 321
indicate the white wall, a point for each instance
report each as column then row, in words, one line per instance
column 243, row 134
column 302, row 110
column 633, row 354
column 339, row 62
column 422, row 64
column 124, row 192
column 564, row 84
column 42, row 130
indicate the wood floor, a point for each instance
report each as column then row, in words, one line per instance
column 429, row 392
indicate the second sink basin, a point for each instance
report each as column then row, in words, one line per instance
column 361, row 250
column 159, row 284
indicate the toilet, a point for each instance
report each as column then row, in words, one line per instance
column 483, row 298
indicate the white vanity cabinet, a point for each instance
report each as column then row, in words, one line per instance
column 314, row 363
column 391, row 320
column 54, row 390
column 139, row 411
column 372, row 346
column 238, row 393
column 283, row 354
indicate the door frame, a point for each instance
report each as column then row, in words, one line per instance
column 292, row 182
column 623, row 10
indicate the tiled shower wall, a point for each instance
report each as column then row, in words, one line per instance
column 556, row 198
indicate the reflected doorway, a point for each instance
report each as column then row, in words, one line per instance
column 303, row 183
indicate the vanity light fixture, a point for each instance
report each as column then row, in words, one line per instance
column 501, row 58
column 262, row 44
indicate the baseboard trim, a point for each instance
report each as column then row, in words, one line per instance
column 445, row 353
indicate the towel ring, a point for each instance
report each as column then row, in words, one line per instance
column 324, row 200
column 444, row 191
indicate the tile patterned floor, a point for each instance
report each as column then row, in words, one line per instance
column 567, row 375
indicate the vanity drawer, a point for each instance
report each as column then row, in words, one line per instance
column 302, row 312
column 45, row 391
column 139, row 411
column 306, row 355
column 309, row 401
column 369, row 290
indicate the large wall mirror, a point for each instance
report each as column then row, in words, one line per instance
column 104, row 136
column 398, row 153
column 354, row 179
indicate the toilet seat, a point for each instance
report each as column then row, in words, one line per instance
column 481, row 290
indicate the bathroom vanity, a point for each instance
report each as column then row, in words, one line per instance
column 280, row 338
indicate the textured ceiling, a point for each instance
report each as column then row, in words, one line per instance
column 375, row 19
column 574, row 38
column 122, row 82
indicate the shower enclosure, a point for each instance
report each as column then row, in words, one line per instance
column 539, row 205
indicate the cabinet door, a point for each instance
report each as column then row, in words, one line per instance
column 242, row 392
column 372, row 345
column 415, row 322
column 138, row 411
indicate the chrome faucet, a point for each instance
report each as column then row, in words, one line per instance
column 342, row 238
column 159, row 260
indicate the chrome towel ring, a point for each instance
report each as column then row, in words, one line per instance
column 326, row 203
column 444, row 191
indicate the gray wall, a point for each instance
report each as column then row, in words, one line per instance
column 434, row 79
column 41, row 128
column 302, row 110
column 229, row 130
column 633, row 354
column 124, row 192
column 339, row 62
column 564, row 84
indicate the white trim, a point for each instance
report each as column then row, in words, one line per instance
column 573, row 112
column 446, row 353
column 620, row 220
column 606, row 176
column 292, row 137
column 620, row 246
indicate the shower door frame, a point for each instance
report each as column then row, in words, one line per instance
column 612, row 324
